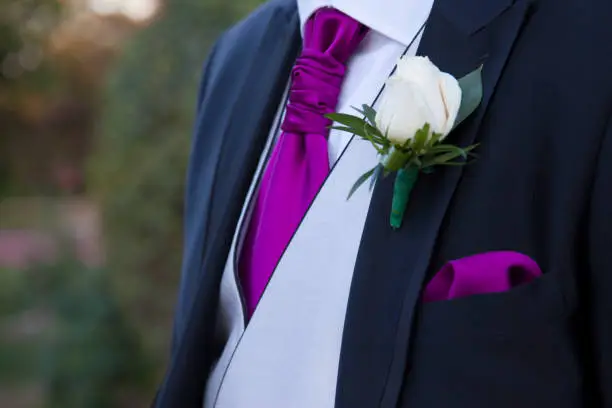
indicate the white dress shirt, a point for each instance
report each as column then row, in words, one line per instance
column 393, row 26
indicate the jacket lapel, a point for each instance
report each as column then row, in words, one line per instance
column 392, row 265
column 249, row 77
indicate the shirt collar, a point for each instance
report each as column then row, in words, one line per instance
column 395, row 19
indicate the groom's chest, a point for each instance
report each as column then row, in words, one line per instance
column 366, row 73
column 302, row 309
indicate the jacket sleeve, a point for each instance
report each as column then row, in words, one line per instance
column 184, row 298
column 599, row 280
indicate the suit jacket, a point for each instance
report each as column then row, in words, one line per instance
column 542, row 186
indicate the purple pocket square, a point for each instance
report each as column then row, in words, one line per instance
column 488, row 272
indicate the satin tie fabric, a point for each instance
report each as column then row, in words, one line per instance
column 299, row 162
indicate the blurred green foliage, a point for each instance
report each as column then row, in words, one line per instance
column 92, row 353
column 103, row 334
column 25, row 27
column 24, row 30
column 67, row 331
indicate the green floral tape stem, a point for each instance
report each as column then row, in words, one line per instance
column 404, row 182
column 395, row 160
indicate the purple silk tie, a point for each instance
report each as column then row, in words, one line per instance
column 299, row 162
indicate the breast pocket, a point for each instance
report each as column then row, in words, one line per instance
column 510, row 349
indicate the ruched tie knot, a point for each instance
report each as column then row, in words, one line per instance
column 315, row 86
column 316, row 79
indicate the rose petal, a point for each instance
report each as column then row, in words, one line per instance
column 425, row 76
column 452, row 99
column 403, row 111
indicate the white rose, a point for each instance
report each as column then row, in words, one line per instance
column 416, row 94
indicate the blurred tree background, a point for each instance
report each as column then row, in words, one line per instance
column 96, row 111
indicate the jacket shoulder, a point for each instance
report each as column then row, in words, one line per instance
column 249, row 29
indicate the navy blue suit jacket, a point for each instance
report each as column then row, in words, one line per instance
column 541, row 186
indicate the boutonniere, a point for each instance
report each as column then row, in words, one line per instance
column 418, row 109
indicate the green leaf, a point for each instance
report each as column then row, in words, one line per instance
column 378, row 143
column 445, row 148
column 435, row 137
column 396, row 159
column 446, row 157
column 377, row 171
column 443, row 154
column 470, row 148
column 354, row 122
column 374, row 136
column 370, row 131
column 370, row 124
column 348, row 129
column 370, row 114
column 471, row 94
column 359, row 111
column 364, row 177
column 343, row 128
column 379, row 148
column 420, row 139
column 374, row 130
